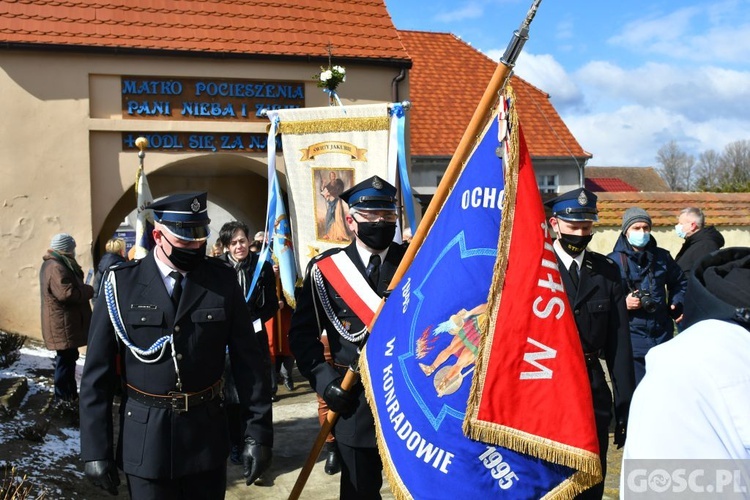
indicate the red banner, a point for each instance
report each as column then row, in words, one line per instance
column 531, row 392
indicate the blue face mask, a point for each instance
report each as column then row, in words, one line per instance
column 680, row 232
column 639, row 238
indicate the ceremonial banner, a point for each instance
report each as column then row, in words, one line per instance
column 144, row 222
column 531, row 391
column 277, row 224
column 326, row 151
column 422, row 355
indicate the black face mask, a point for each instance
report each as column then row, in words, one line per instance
column 186, row 259
column 376, row 235
column 574, row 244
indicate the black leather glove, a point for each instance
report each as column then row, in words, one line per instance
column 103, row 473
column 620, row 432
column 338, row 399
column 677, row 311
column 256, row 458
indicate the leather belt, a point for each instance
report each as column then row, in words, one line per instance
column 177, row 401
column 591, row 357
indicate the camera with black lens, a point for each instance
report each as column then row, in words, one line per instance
column 647, row 302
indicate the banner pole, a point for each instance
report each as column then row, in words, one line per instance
column 497, row 83
column 478, row 121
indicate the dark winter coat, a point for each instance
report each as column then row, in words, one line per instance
column 66, row 312
column 109, row 259
column 697, row 246
column 654, row 270
column 263, row 302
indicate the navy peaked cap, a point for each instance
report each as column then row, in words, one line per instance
column 184, row 215
column 371, row 194
column 575, row 206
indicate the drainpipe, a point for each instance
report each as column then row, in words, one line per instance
column 394, row 85
column 581, row 179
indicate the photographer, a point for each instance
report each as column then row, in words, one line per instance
column 655, row 282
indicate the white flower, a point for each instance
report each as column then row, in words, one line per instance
column 326, row 75
column 339, row 69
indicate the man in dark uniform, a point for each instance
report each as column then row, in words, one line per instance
column 372, row 259
column 166, row 321
column 593, row 286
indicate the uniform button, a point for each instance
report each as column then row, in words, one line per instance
column 577, row 311
column 210, row 316
column 143, row 318
column 179, row 357
column 130, row 414
column 177, row 328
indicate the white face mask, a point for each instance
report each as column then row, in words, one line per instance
column 680, row 231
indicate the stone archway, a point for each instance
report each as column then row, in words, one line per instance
column 237, row 188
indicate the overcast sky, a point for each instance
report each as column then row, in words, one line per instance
column 626, row 77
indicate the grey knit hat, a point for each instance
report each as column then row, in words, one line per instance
column 633, row 215
column 63, row 243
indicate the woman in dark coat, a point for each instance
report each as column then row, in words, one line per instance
column 66, row 312
column 261, row 302
column 115, row 254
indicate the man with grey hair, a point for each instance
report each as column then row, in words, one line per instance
column 699, row 240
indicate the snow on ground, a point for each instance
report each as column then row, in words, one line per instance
column 58, row 454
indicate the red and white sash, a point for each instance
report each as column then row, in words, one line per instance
column 341, row 273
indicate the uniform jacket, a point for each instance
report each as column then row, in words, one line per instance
column 109, row 259
column 156, row 442
column 358, row 429
column 263, row 303
column 651, row 269
column 697, row 246
column 602, row 321
column 66, row 312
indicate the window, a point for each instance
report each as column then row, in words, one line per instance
column 547, row 184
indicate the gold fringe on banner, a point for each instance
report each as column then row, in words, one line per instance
column 343, row 124
column 398, row 488
column 586, row 463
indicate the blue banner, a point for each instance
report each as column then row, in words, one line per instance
column 419, row 361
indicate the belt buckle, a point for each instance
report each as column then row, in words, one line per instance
column 179, row 401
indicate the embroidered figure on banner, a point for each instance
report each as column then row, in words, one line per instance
column 465, row 327
column 330, row 210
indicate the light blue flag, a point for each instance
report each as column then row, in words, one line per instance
column 418, row 362
column 278, row 246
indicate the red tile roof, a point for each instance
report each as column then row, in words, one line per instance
column 720, row 209
column 447, row 81
column 356, row 29
column 611, row 184
column 641, row 178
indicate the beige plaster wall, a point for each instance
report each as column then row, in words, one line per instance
column 64, row 169
column 605, row 238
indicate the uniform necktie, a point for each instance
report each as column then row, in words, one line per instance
column 177, row 288
column 373, row 270
column 574, row 273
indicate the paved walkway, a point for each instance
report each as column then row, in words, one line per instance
column 295, row 418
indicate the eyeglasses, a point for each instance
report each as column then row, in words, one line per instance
column 376, row 216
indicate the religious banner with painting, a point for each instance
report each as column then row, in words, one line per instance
column 326, row 151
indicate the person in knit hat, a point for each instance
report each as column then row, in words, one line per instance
column 693, row 402
column 654, row 283
column 66, row 313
